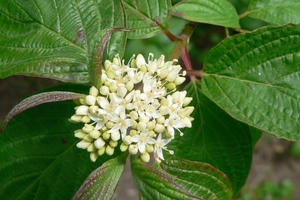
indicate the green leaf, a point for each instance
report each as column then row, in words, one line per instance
column 278, row 12
column 56, row 39
column 215, row 138
column 180, row 179
column 255, row 77
column 102, row 182
column 217, row 12
column 38, row 154
column 146, row 17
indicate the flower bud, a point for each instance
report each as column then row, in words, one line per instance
column 91, row 148
column 82, row 110
column 129, row 85
column 93, row 109
column 88, row 138
column 90, row 100
column 179, row 80
column 123, row 147
column 95, row 134
column 134, row 115
column 79, row 134
column 163, row 73
column 99, row 143
column 151, row 125
column 75, row 118
column 140, row 60
column 145, row 157
column 113, row 87
column 104, row 90
column 94, row 91
column 164, row 110
column 171, row 86
column 143, row 68
column 83, row 144
column 82, row 100
column 113, row 143
column 187, row 101
column 133, row 132
column 133, row 63
column 107, row 65
column 127, row 139
column 93, row 156
column 101, row 151
column 115, row 136
column 106, row 135
column 87, row 128
column 185, row 111
column 149, row 148
column 109, row 150
column 85, row 119
column 116, row 60
column 109, row 124
column 121, row 91
column 159, row 128
column 151, row 134
column 141, row 126
column 133, row 149
column 161, row 120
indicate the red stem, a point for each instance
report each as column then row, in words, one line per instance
column 186, row 59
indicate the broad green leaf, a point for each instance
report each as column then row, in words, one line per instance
column 255, row 135
column 215, row 138
column 38, row 154
column 180, row 179
column 278, row 12
column 56, row 39
column 102, row 182
column 255, row 77
column 146, row 17
column 218, row 12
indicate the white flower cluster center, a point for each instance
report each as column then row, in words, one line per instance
column 137, row 106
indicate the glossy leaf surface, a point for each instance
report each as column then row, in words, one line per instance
column 217, row 12
column 255, row 77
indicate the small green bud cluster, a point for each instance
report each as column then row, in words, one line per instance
column 137, row 106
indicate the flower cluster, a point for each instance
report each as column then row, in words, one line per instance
column 137, row 108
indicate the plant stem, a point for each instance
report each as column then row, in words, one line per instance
column 227, row 32
column 184, row 38
column 194, row 73
column 244, row 14
column 241, row 30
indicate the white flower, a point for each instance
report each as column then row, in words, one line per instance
column 122, row 123
column 142, row 140
column 173, row 123
column 160, row 144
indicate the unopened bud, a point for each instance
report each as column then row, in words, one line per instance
column 121, row 91
column 151, row 125
column 133, row 132
column 129, row 85
column 85, row 119
column 127, row 139
column 171, row 86
column 94, row 156
column 187, row 101
column 83, row 144
column 134, row 115
column 95, row 134
column 123, row 147
column 113, row 87
column 90, row 100
column 109, row 150
column 145, row 157
column 94, row 91
column 149, row 148
column 75, row 118
column 91, row 148
column 161, row 120
column 179, row 80
column 140, row 60
column 87, row 128
column 106, row 135
column 133, row 149
column 159, row 128
column 101, row 151
column 109, row 124
column 104, row 90
column 99, row 143
column 82, row 110
column 113, row 143
column 115, row 136
column 79, row 134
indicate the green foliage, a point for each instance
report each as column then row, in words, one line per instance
column 38, row 155
column 215, row 138
column 102, row 182
column 255, row 78
column 180, row 179
column 218, row 12
column 278, row 12
column 56, row 39
column 146, row 17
